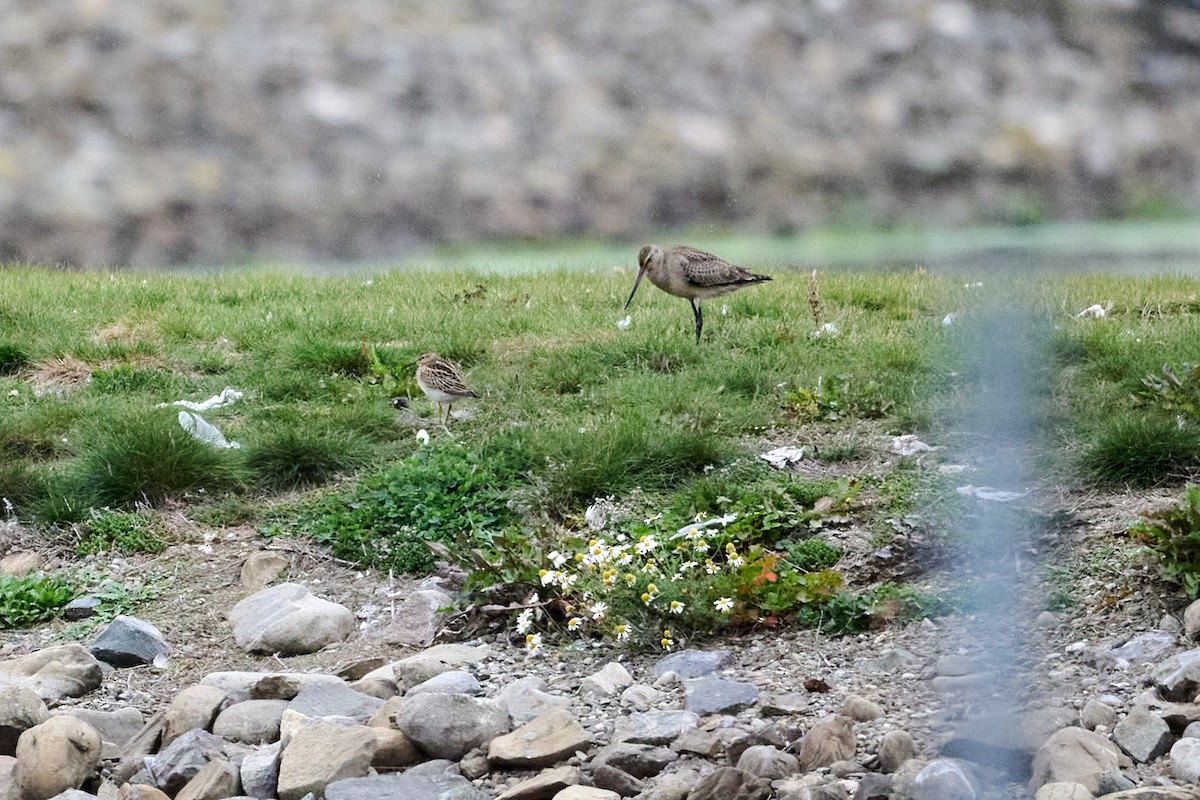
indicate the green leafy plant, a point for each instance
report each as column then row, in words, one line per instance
column 812, row 555
column 840, row 397
column 1175, row 391
column 123, row 531
column 1174, row 534
column 30, row 599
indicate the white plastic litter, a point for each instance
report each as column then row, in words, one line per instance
column 781, row 457
column 826, row 331
column 704, row 524
column 422, row 436
column 595, row 517
column 624, row 324
column 949, row 318
column 1096, row 311
column 227, row 397
column 199, row 429
column 909, row 445
column 988, row 493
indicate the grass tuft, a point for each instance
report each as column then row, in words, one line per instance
column 285, row 457
column 1141, row 450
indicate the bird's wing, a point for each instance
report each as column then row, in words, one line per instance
column 704, row 269
column 446, row 377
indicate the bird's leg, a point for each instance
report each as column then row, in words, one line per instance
column 446, row 424
column 699, row 318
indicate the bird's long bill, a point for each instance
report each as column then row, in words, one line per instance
column 641, row 272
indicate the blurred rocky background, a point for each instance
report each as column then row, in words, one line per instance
column 154, row 132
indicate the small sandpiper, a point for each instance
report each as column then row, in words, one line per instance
column 442, row 382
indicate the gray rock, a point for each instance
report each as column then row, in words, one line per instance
column 215, row 780
column 129, row 642
column 704, row 696
column 707, row 744
column 418, row 619
column 290, row 620
column 1073, row 755
column 1178, row 678
column 860, row 709
column 239, row 686
column 261, row 568
column 59, row 754
column 768, row 763
column 1191, row 620
column 691, row 663
column 82, row 607
column 1185, row 760
column 251, row 721
column 449, row 725
column 540, row 743
column 641, row 697
column 829, row 740
column 194, row 707
column 116, row 728
column 394, row 750
column 178, row 762
column 1063, row 791
column 1096, row 714
column 1144, row 736
column 453, row 682
column 415, row 669
column 895, row 748
column 654, row 727
column 608, row 681
column 334, row 699
column 53, row 673
column 954, row 665
column 943, row 780
column 1112, row 782
column 874, row 786
column 545, row 784
column 616, row 780
column 405, row 786
column 730, row 783
column 638, row 760
column 773, row 704
column 323, row 752
column 526, row 698
column 888, row 660
column 1141, row 649
column 20, row 710
column 260, row 771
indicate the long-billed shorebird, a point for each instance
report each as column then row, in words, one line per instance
column 442, row 382
column 691, row 273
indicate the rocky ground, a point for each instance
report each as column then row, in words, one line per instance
column 950, row 707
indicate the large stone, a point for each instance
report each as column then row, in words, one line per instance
column 418, row 619
column 704, row 696
column 261, row 568
column 250, row 721
column 239, row 686
column 290, row 620
column 59, row 754
column 334, row 700
column 1178, row 678
column 216, row 780
column 129, row 642
column 20, row 710
column 259, row 771
column 1185, row 760
column 418, row 668
column 66, row 670
column 654, row 727
column 526, row 698
column 608, row 681
column 116, row 728
column 730, row 783
column 406, row 786
column 1063, row 791
column 1096, row 714
column 616, row 780
column 943, row 780
column 829, row 740
column 542, row 786
column 21, row 562
column 323, row 752
column 638, row 760
column 691, row 663
column 767, row 762
column 586, row 793
column 456, row 681
column 178, row 763
column 552, row 737
column 1143, row 735
column 895, row 748
column 1074, row 755
column 860, row 709
column 133, row 755
column 449, row 725
column 193, row 708
column 394, row 750
column 1141, row 649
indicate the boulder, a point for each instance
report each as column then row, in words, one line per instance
column 66, row 670
column 193, row 708
column 321, row 753
column 1074, row 755
column 829, row 740
column 704, row 696
column 543, row 742
column 20, row 710
column 288, row 619
column 130, row 642
column 59, row 754
column 450, row 725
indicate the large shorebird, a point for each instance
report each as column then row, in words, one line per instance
column 691, row 273
column 442, row 382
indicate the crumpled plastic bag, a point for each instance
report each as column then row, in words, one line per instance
column 1096, row 311
column 203, row 431
column 909, row 445
column 781, row 457
column 988, row 493
column 227, row 397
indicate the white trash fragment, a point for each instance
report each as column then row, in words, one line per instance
column 624, row 324
column 227, row 397
column 909, row 445
column 949, row 318
column 202, row 431
column 724, row 310
column 1095, row 311
column 422, row 436
column 781, row 457
column 951, row 469
column 826, row 331
column 595, row 517
column 702, row 525
column 988, row 493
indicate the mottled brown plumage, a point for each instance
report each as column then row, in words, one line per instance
column 442, row 382
column 691, row 273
